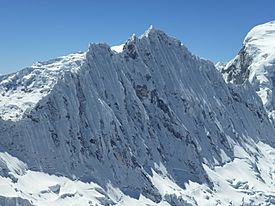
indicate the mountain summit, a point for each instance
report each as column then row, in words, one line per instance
column 256, row 63
column 145, row 123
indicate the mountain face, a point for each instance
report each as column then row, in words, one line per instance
column 256, row 64
column 144, row 123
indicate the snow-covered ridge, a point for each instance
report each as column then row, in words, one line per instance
column 256, row 63
column 22, row 90
column 262, row 37
column 70, row 62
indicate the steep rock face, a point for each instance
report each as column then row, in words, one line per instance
column 121, row 117
column 255, row 63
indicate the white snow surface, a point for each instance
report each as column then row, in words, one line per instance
column 21, row 91
column 259, row 54
column 118, row 48
column 244, row 181
column 152, row 124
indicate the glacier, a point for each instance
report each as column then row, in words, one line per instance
column 143, row 123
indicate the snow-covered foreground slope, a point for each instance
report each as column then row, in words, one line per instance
column 246, row 180
column 146, row 123
column 256, row 63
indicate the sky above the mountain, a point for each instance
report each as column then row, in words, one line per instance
column 37, row 30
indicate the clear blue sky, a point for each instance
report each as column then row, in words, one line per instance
column 36, row 30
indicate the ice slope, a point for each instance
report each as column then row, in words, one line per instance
column 256, row 63
column 151, row 119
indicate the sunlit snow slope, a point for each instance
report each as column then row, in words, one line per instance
column 144, row 123
column 256, row 63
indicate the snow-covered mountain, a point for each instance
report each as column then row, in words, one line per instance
column 256, row 63
column 143, row 123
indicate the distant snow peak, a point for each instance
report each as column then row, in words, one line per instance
column 262, row 35
column 151, row 31
column 62, row 62
column 21, row 91
column 256, row 63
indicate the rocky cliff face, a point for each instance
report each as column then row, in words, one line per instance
column 151, row 120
